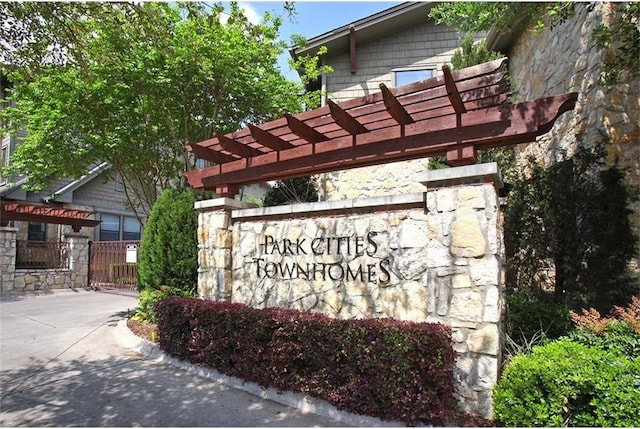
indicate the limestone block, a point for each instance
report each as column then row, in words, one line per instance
column 250, row 245
column 492, row 304
column 466, row 305
column 438, row 255
column 472, row 197
column 465, row 368
column 487, row 372
column 460, row 281
column 408, row 302
column 293, row 233
column 445, row 200
column 217, row 219
column 443, row 288
column 485, row 340
column 467, row 238
column 19, row 282
column 411, row 265
column 484, row 271
column 223, row 239
column 332, row 301
column 221, row 258
column 430, row 280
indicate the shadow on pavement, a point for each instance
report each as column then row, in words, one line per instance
column 131, row 392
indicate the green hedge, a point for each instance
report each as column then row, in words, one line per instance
column 378, row 367
column 569, row 384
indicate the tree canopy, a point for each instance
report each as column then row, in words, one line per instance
column 133, row 84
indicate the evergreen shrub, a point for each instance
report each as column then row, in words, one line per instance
column 169, row 247
column 529, row 315
column 379, row 367
column 569, row 384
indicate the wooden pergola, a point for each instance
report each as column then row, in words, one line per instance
column 30, row 212
column 455, row 114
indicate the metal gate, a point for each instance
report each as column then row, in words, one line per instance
column 113, row 264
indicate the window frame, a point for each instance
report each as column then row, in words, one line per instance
column 121, row 232
column 426, row 68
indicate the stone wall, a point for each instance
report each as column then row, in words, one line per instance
column 7, row 257
column 566, row 59
column 75, row 276
column 425, row 257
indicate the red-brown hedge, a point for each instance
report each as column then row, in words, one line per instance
column 385, row 368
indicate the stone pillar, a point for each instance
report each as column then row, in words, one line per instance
column 215, row 242
column 467, row 291
column 78, row 259
column 8, row 248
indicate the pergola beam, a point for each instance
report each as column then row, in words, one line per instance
column 211, row 154
column 236, row 147
column 393, row 106
column 344, row 120
column 452, row 91
column 303, row 130
column 267, row 139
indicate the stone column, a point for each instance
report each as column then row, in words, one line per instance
column 467, row 290
column 78, row 259
column 215, row 242
column 8, row 248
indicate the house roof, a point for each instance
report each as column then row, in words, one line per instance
column 64, row 192
column 68, row 189
column 372, row 27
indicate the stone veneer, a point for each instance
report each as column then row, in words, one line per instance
column 566, row 59
column 425, row 257
column 75, row 276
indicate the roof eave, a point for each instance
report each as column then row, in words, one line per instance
column 394, row 17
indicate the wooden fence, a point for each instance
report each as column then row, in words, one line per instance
column 113, row 264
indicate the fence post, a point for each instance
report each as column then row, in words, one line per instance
column 78, row 259
column 7, row 257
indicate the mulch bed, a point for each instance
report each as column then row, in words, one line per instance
column 142, row 329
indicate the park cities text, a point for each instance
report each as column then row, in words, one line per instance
column 322, row 246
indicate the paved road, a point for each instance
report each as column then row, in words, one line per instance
column 61, row 365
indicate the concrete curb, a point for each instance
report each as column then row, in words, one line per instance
column 304, row 403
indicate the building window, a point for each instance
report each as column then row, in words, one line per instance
column 403, row 77
column 130, row 228
column 202, row 163
column 110, row 228
column 37, row 231
column 115, row 228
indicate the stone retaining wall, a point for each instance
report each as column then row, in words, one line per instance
column 432, row 257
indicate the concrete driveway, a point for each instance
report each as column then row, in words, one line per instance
column 61, row 365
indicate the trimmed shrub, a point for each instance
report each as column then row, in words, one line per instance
column 169, row 248
column 378, row 367
column 569, row 384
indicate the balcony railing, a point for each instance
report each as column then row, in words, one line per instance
column 42, row 254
